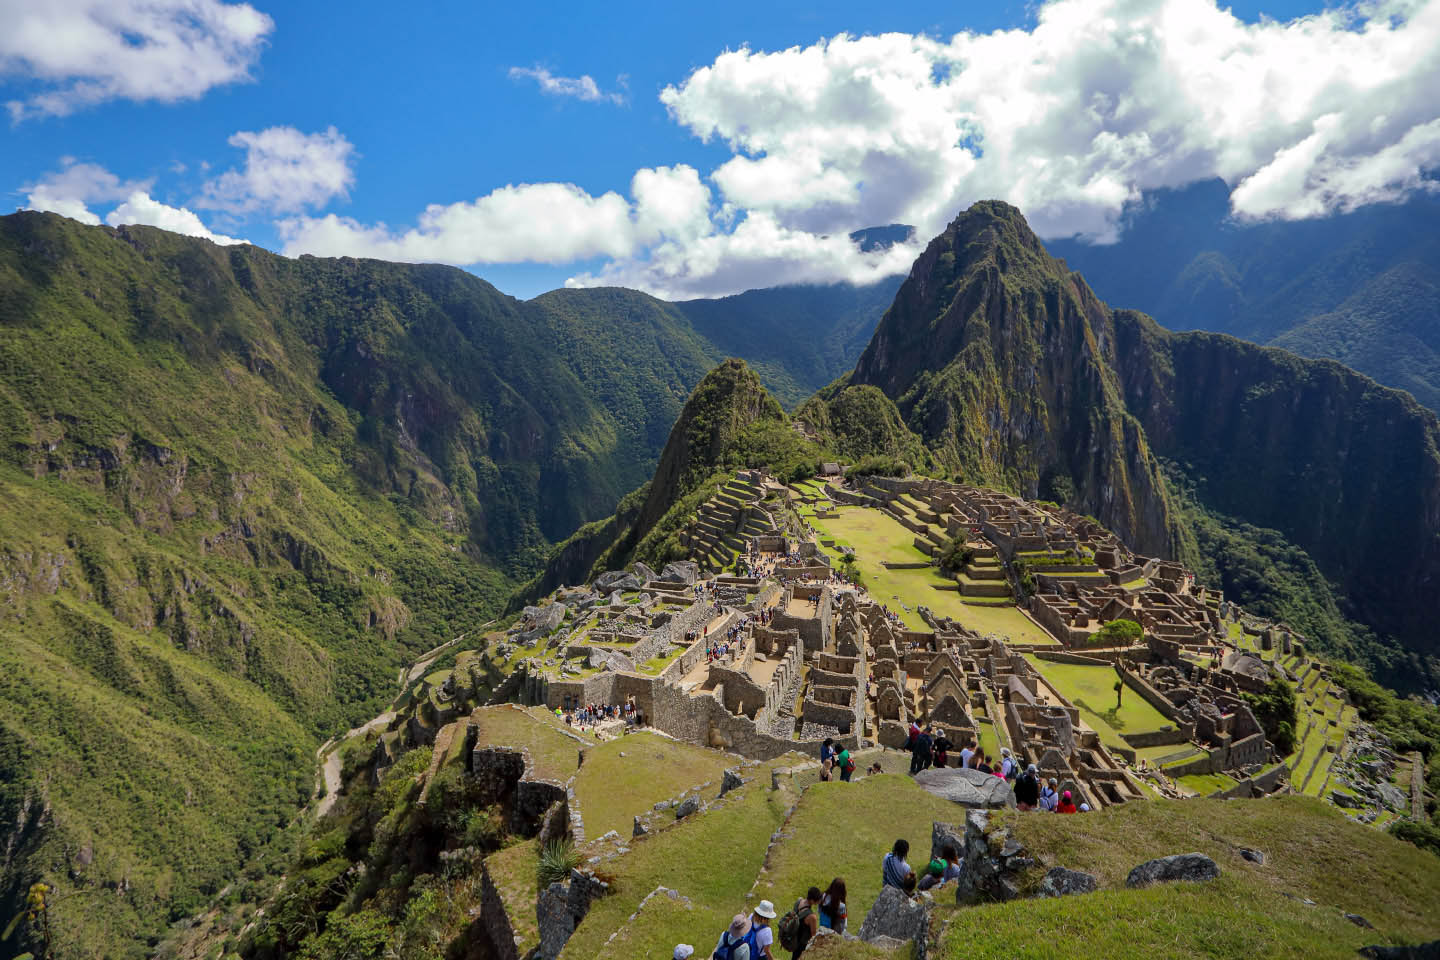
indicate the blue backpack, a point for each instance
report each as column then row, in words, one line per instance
column 727, row 951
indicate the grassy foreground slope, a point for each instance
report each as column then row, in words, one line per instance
column 1253, row 910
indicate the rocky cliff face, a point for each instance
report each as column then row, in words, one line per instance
column 997, row 356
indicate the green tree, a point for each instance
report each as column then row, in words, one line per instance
column 1118, row 633
column 848, row 564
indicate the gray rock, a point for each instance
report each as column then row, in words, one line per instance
column 896, row 915
column 1060, row 882
column 663, row 805
column 730, row 781
column 640, row 829
column 969, row 788
column 1359, row 921
column 946, row 834
column 613, row 580
column 689, row 805
column 1420, row 951
column 1189, row 867
column 1254, row 856
column 1342, row 799
column 684, row 571
column 643, row 572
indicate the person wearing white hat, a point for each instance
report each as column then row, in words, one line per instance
column 764, row 933
column 683, row 951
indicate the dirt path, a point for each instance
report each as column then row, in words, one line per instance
column 330, row 761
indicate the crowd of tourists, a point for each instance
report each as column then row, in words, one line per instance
column 929, row 747
column 763, row 933
column 585, row 716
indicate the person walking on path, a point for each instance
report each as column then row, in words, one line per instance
column 1027, row 789
column 808, row 921
column 764, row 933
column 737, row 941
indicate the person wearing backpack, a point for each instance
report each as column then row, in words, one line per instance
column 737, row 941
column 942, row 749
column 800, row 923
column 846, row 763
column 1027, row 789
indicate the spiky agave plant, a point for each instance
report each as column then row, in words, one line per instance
column 557, row 859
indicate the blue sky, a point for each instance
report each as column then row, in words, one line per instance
column 759, row 164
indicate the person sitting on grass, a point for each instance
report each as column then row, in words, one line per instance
column 1066, row 804
column 894, row 868
column 942, row 871
column 1049, row 799
column 832, row 907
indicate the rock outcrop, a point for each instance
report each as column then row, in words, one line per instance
column 969, row 788
column 1181, row 867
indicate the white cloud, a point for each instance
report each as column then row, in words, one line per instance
column 1071, row 120
column 140, row 207
column 84, row 52
column 285, row 171
column 582, row 87
column 541, row 222
column 70, row 190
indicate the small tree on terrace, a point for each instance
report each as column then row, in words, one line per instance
column 1118, row 633
column 847, row 564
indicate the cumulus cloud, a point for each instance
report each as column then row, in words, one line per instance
column 582, row 87
column 140, row 207
column 70, row 190
column 285, row 171
column 83, row 52
column 1071, row 119
column 540, row 222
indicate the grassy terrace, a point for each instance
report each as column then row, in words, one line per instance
column 876, row 537
column 624, row 777
column 835, row 832
column 512, row 870
column 712, row 859
column 554, row 755
column 1092, row 689
column 1311, row 851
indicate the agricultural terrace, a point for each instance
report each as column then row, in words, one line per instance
column 1092, row 690
column 625, row 777
column 876, row 537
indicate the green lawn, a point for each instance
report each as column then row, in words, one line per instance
column 554, row 755
column 711, row 859
column 1092, row 689
column 876, row 536
column 1311, row 851
column 512, row 870
column 611, row 789
column 836, row 832
column 1206, row 783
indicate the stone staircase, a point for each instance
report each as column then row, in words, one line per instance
column 726, row 522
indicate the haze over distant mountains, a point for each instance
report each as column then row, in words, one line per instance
column 1361, row 287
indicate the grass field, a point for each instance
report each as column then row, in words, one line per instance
column 1092, row 689
column 711, row 859
column 512, row 870
column 554, row 755
column 624, row 777
column 1205, row 784
column 834, row 832
column 1311, row 851
column 876, row 536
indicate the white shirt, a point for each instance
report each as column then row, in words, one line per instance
column 764, row 936
column 965, row 756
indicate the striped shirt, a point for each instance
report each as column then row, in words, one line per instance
column 893, row 871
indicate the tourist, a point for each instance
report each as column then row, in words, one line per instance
column 1027, row 789
column 1084, row 808
column 942, row 871
column 807, row 912
column 967, row 753
column 846, row 763
column 737, row 941
column 1049, row 799
column 875, row 768
column 832, row 907
column 764, row 934
column 1008, row 766
column 942, row 749
column 981, row 763
column 827, row 758
column 1066, row 804
column 894, row 868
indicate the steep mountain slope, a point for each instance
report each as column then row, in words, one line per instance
column 1015, row 374
column 798, row 338
column 1358, row 288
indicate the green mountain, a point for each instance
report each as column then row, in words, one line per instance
column 1015, row 374
column 1357, row 287
column 240, row 491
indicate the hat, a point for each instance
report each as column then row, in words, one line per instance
column 1084, row 808
column 739, row 926
column 1030, row 769
column 766, row 909
column 1052, row 781
column 683, row 951
column 1067, row 794
column 1005, row 751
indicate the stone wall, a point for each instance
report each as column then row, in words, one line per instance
column 1152, row 696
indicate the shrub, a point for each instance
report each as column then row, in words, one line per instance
column 557, row 859
column 1117, row 633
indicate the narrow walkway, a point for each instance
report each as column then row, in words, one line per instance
column 443, row 740
column 1417, row 788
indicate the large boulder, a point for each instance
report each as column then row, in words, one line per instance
column 1420, row 951
column 969, row 788
column 613, row 580
column 643, row 572
column 730, row 781
column 946, row 834
column 1187, row 867
column 896, row 915
column 688, row 806
column 682, row 571
column 1060, row 882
